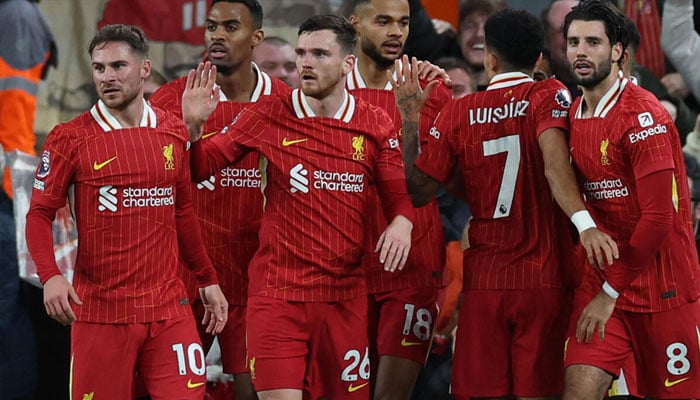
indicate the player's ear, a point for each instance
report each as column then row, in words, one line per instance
column 145, row 68
column 617, row 52
column 355, row 21
column 349, row 63
column 258, row 37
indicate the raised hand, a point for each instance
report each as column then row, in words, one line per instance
column 410, row 97
column 200, row 98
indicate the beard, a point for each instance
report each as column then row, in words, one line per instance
column 223, row 69
column 369, row 48
column 600, row 72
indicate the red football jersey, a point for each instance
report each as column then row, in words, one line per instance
column 492, row 137
column 631, row 136
column 316, row 175
column 126, row 187
column 426, row 260
column 228, row 203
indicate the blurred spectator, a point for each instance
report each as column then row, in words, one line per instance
column 681, row 43
column 458, row 71
column 153, row 82
column 645, row 15
column 692, row 141
column 553, row 21
column 27, row 50
column 277, row 57
column 470, row 35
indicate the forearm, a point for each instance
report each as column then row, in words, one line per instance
column 421, row 187
column 395, row 200
column 654, row 225
column 39, row 234
column 192, row 250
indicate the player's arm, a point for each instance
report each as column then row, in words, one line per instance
column 410, row 99
column 395, row 242
column 600, row 247
column 194, row 254
column 52, row 179
column 655, row 223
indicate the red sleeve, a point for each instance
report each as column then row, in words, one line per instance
column 395, row 200
column 654, row 197
column 437, row 158
column 189, row 237
column 238, row 138
column 39, row 233
column 552, row 107
column 391, row 175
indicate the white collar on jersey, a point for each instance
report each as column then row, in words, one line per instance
column 508, row 79
column 609, row 99
column 263, row 87
column 109, row 122
column 354, row 79
column 304, row 110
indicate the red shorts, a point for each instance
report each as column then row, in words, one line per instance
column 167, row 354
column 665, row 347
column 231, row 340
column 626, row 382
column 510, row 343
column 320, row 348
column 402, row 322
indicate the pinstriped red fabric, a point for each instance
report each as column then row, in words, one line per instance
column 229, row 202
column 492, row 138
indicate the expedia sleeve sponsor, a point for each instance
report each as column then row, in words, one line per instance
column 605, row 189
column 643, row 135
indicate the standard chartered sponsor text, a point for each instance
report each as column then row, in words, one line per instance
column 339, row 181
column 148, row 197
column 605, row 189
column 240, row 177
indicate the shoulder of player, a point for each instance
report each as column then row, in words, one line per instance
column 279, row 88
column 78, row 127
column 369, row 110
column 169, row 91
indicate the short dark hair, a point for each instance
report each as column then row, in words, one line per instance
column 129, row 34
column 615, row 21
column 253, row 6
column 344, row 31
column 516, row 36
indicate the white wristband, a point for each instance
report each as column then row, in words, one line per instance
column 610, row 291
column 583, row 220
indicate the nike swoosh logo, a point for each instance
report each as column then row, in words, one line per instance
column 406, row 343
column 209, row 134
column 98, row 166
column 668, row 383
column 352, row 388
column 192, row 385
column 286, row 142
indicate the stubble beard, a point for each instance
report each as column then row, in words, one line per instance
column 371, row 50
column 600, row 72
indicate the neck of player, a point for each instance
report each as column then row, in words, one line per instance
column 129, row 116
column 238, row 86
column 372, row 73
column 328, row 105
column 592, row 95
